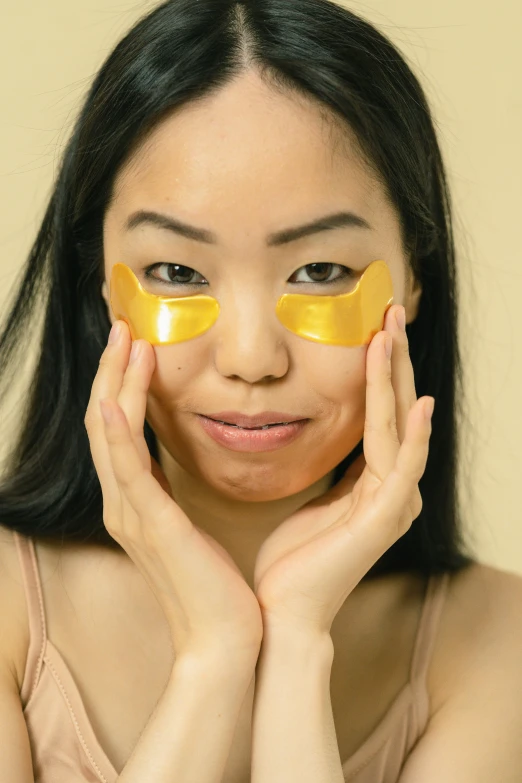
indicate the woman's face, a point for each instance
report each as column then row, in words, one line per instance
column 243, row 165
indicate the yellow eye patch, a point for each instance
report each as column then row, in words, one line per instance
column 161, row 320
column 350, row 319
column 346, row 319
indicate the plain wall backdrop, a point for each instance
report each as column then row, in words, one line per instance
column 468, row 56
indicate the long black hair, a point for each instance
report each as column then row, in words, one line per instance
column 181, row 52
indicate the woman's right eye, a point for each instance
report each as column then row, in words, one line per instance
column 175, row 270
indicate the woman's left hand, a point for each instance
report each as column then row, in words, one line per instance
column 306, row 569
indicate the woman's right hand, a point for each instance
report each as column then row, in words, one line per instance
column 206, row 600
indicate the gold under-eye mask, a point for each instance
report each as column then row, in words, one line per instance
column 346, row 319
column 350, row 319
column 161, row 320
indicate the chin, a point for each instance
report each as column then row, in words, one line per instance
column 264, row 484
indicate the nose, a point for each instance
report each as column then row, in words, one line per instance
column 249, row 341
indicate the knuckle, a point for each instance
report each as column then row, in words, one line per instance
column 112, row 527
column 417, row 504
column 414, row 475
column 405, row 348
column 390, row 423
column 89, row 420
column 387, row 425
column 374, row 381
column 405, row 524
column 421, row 469
column 110, row 519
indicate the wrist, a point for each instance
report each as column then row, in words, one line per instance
column 216, row 661
column 296, row 643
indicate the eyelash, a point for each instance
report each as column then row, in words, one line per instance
column 348, row 273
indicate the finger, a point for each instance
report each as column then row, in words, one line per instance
column 132, row 398
column 398, row 492
column 403, row 379
column 113, row 365
column 381, row 442
column 107, row 384
column 136, row 483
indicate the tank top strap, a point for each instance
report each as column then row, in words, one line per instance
column 435, row 595
column 36, row 614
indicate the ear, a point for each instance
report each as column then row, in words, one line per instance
column 412, row 297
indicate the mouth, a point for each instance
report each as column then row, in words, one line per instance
column 255, row 421
column 266, row 437
column 264, row 427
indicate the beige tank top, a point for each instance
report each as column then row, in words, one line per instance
column 65, row 749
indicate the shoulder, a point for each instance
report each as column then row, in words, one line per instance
column 480, row 631
column 14, row 632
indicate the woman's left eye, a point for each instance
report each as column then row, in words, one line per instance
column 323, row 270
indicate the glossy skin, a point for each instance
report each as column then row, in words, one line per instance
column 244, row 164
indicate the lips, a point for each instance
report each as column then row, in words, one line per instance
column 267, row 438
column 256, row 421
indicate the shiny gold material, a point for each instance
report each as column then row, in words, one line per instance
column 345, row 319
column 161, row 320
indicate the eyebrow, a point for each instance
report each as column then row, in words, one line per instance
column 326, row 223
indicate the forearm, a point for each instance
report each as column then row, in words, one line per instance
column 293, row 731
column 189, row 735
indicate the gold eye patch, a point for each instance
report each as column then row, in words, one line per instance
column 350, row 319
column 346, row 319
column 161, row 320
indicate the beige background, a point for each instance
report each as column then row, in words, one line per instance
column 469, row 58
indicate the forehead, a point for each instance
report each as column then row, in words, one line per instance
column 250, row 153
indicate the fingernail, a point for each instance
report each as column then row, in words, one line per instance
column 429, row 407
column 388, row 346
column 400, row 316
column 115, row 333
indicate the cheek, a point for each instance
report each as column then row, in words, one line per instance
column 338, row 376
column 176, row 367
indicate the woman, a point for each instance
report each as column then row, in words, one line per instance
column 186, row 601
